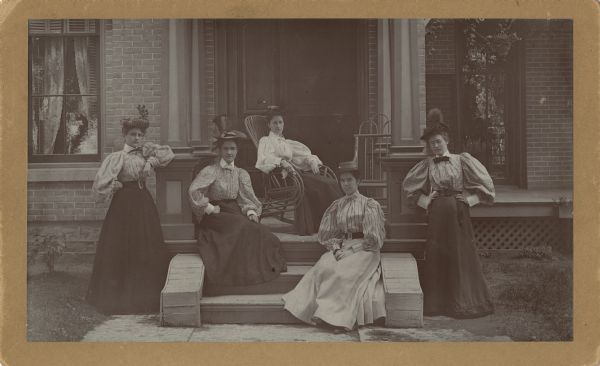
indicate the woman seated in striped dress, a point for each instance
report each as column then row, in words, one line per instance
column 344, row 288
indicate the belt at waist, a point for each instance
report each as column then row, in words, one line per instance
column 447, row 192
column 134, row 184
column 357, row 235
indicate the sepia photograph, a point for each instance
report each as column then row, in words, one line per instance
column 300, row 180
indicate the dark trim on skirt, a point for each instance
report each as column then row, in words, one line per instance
column 131, row 262
column 453, row 284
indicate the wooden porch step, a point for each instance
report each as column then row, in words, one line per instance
column 180, row 297
column 404, row 300
column 403, row 294
column 282, row 284
column 306, row 250
column 246, row 309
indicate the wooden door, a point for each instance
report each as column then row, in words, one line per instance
column 310, row 68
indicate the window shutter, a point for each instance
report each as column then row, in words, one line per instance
column 45, row 26
column 81, row 26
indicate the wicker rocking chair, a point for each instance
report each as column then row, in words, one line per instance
column 281, row 195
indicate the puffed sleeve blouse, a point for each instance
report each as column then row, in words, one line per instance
column 272, row 149
column 462, row 173
column 220, row 182
column 127, row 165
column 351, row 214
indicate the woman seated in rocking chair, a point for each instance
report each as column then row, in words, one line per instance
column 275, row 151
column 235, row 248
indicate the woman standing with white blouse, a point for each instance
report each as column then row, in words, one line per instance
column 131, row 261
column 275, row 151
column 446, row 185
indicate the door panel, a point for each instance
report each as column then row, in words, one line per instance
column 319, row 85
column 310, row 69
column 260, row 63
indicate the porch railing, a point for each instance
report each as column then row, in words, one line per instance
column 371, row 144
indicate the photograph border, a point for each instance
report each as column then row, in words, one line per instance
column 14, row 348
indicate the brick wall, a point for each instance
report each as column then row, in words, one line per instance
column 132, row 61
column 549, row 86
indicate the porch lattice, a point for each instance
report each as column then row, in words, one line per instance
column 515, row 233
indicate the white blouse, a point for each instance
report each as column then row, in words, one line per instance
column 273, row 148
column 222, row 181
column 128, row 165
column 462, row 173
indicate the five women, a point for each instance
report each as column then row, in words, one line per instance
column 344, row 288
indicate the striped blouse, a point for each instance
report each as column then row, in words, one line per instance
column 462, row 173
column 351, row 214
column 223, row 182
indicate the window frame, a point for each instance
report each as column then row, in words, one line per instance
column 516, row 153
column 53, row 159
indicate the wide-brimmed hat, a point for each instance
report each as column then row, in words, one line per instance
column 232, row 135
column 348, row 167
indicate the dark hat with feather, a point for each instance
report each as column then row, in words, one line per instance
column 140, row 121
column 435, row 125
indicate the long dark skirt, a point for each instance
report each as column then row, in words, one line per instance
column 237, row 251
column 319, row 193
column 454, row 284
column 131, row 260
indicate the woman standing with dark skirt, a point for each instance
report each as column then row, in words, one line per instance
column 275, row 151
column 131, row 260
column 235, row 248
column 446, row 185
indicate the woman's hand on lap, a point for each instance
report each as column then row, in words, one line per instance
column 342, row 253
column 253, row 217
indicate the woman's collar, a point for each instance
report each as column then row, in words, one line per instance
column 127, row 148
column 274, row 135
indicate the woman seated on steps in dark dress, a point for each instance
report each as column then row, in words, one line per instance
column 235, row 248
column 446, row 185
column 275, row 151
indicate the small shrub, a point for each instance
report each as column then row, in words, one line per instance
column 50, row 247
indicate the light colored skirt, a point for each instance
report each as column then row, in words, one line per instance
column 344, row 294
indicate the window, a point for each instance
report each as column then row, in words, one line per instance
column 64, row 90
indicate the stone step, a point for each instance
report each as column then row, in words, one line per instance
column 246, row 309
column 282, row 284
column 306, row 250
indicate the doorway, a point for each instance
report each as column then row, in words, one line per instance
column 310, row 68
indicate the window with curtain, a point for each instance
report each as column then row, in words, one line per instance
column 64, row 90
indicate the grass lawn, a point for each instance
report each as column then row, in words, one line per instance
column 533, row 299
